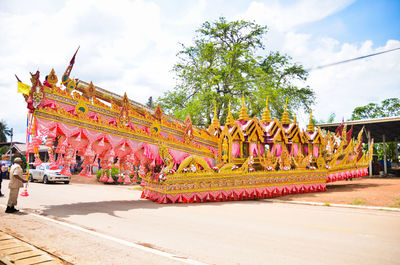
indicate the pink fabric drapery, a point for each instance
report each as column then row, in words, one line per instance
column 278, row 149
column 315, row 151
column 305, row 150
column 209, row 162
column 295, row 149
column 236, row 149
column 177, row 156
column 149, row 152
column 254, row 149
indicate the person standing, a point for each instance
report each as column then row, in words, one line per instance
column 2, row 173
column 16, row 182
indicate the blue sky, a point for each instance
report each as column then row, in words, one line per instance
column 362, row 20
column 131, row 45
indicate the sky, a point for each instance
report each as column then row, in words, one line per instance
column 131, row 46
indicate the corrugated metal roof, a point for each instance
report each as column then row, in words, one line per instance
column 388, row 126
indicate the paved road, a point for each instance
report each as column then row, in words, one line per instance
column 248, row 232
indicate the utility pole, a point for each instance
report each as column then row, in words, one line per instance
column 11, row 134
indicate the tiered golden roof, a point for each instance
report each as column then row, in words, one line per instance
column 310, row 127
column 266, row 116
column 215, row 122
column 285, row 116
column 243, row 112
column 229, row 120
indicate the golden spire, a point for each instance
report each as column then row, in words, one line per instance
column 229, row 120
column 285, row 116
column 266, row 117
column 215, row 122
column 310, row 127
column 294, row 118
column 243, row 111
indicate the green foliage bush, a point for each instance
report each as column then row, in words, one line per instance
column 115, row 175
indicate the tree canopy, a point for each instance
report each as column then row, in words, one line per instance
column 226, row 61
column 4, row 131
column 388, row 108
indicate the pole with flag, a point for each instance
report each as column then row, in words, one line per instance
column 23, row 88
column 29, row 117
column 65, row 77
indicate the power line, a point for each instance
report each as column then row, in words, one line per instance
column 267, row 80
column 350, row 60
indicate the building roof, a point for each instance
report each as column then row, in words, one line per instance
column 8, row 143
column 389, row 126
column 21, row 148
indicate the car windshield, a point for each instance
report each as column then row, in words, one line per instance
column 48, row 167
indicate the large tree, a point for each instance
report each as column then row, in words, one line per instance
column 4, row 131
column 226, row 61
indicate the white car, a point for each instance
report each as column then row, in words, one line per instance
column 46, row 175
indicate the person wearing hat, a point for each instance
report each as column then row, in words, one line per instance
column 2, row 173
column 16, row 182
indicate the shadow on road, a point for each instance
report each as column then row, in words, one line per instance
column 114, row 206
column 111, row 207
column 105, row 207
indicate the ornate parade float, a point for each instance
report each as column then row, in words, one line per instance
column 244, row 159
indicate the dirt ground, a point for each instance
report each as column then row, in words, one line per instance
column 374, row 191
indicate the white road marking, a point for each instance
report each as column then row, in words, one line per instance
column 120, row 241
column 339, row 205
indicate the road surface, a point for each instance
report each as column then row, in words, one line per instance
column 116, row 223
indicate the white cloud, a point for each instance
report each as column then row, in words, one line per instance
column 344, row 87
column 339, row 89
column 122, row 45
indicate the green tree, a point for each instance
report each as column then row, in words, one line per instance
column 4, row 131
column 388, row 108
column 225, row 62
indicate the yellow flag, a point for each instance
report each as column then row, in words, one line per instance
column 23, row 88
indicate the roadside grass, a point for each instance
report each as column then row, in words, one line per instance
column 358, row 201
column 396, row 203
column 136, row 188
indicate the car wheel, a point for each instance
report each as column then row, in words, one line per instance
column 66, row 182
column 31, row 178
column 45, row 180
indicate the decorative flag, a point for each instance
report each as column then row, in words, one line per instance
column 339, row 130
column 348, row 134
column 23, row 88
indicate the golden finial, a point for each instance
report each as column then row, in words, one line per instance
column 266, row 116
column 294, row 118
column 243, row 111
column 215, row 122
column 310, row 127
column 285, row 116
column 229, row 120
column 52, row 78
